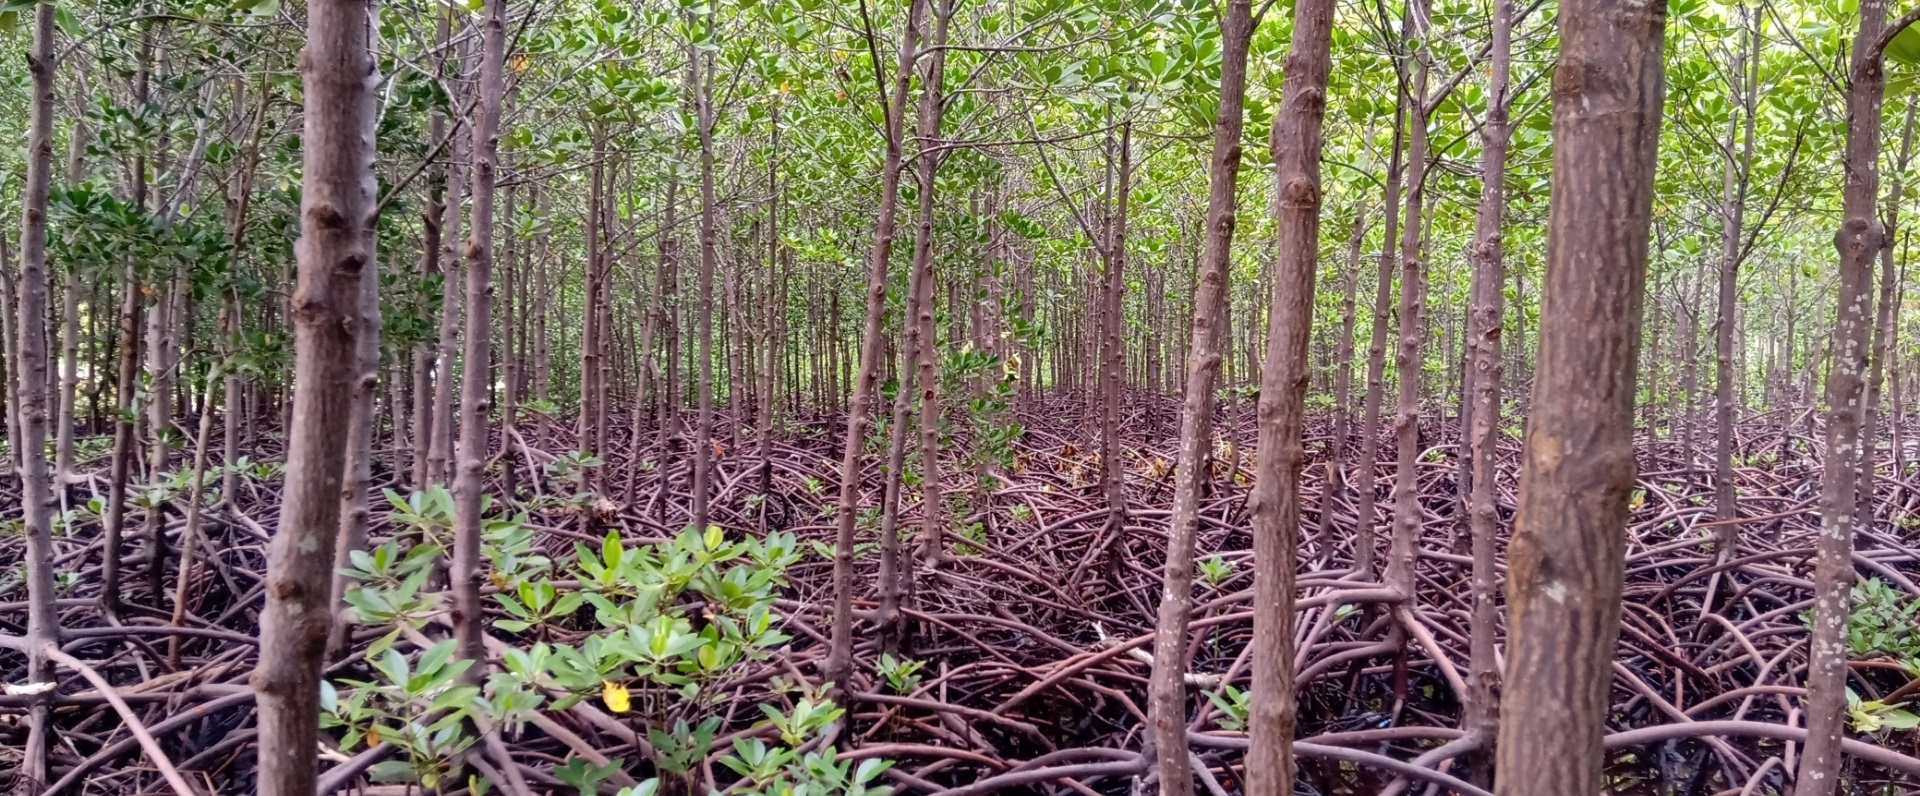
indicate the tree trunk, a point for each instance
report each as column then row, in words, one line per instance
column 928, row 130
column 1409, row 362
column 70, row 339
column 1732, row 218
column 335, row 256
column 1567, row 557
column 838, row 667
column 1274, row 504
column 1886, row 321
column 1336, row 486
column 1167, row 689
column 440, row 451
column 36, row 501
column 1365, row 515
column 703, row 446
column 1859, row 240
column 1113, row 360
column 1489, row 279
column 464, row 574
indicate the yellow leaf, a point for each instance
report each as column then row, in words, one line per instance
column 616, row 697
column 373, row 736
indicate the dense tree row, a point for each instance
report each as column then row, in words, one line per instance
column 355, row 342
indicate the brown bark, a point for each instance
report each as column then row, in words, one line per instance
column 335, row 256
column 1365, row 515
column 838, row 667
column 1886, row 322
column 1409, row 364
column 430, row 266
column 464, row 572
column 1567, row 557
column 70, row 337
column 1113, row 356
column 440, row 448
column 1858, row 241
column 1167, row 690
column 1489, row 277
column 30, row 383
column 1274, row 503
column 702, row 81
column 1336, row 487
column 1732, row 218
column 928, row 130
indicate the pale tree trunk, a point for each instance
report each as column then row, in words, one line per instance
column 121, row 468
column 895, row 574
column 440, row 447
column 64, row 472
column 702, row 80
column 1336, row 486
column 933, row 106
column 127, row 414
column 510, row 364
column 335, row 255
column 1408, row 362
column 355, row 509
column 772, row 337
column 240, row 202
column 1167, row 689
column 464, row 572
column 1365, row 515
column 1274, row 503
column 593, row 391
column 430, row 266
column 1886, row 317
column 1489, row 279
column 1733, row 208
column 668, row 322
column 1567, row 557
column 1859, row 240
column 1113, row 359
column 838, row 667
column 30, row 389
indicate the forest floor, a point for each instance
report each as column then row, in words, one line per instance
column 1033, row 626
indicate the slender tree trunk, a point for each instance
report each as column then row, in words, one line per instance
column 30, row 388
column 772, row 336
column 123, row 441
column 1336, row 486
column 1274, row 503
column 1113, row 359
column 1409, row 361
column 440, row 451
column 838, row 667
column 464, row 573
column 1567, row 557
column 1365, row 515
column 1486, row 374
column 64, row 472
column 1886, row 316
column 1732, row 218
column 1167, row 690
column 335, row 254
column 430, row 267
column 702, row 80
column 1859, row 240
column 928, row 131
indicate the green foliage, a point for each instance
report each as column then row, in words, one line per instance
column 901, row 674
column 1883, row 622
column 1874, row 715
column 1232, row 704
column 1215, row 570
